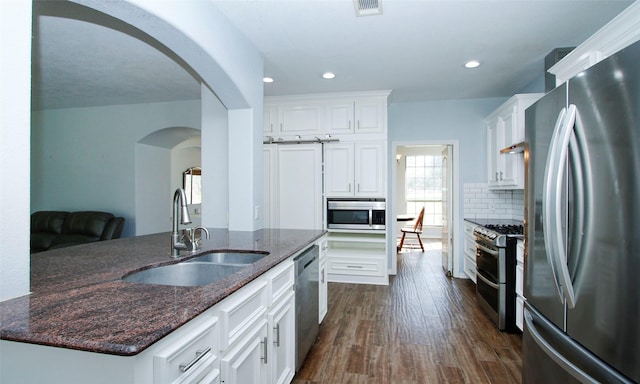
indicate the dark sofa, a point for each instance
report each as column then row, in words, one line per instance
column 57, row 229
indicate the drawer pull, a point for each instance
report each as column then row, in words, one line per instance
column 355, row 266
column 199, row 355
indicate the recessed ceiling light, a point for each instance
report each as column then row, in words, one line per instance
column 328, row 75
column 472, row 64
column 267, row 79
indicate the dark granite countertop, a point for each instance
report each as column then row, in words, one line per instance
column 79, row 301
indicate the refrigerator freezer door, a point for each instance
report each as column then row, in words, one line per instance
column 540, row 285
column 550, row 356
column 606, row 258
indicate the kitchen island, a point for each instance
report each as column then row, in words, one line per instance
column 80, row 302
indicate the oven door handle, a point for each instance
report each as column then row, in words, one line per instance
column 488, row 250
column 488, row 282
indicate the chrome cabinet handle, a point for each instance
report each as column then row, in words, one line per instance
column 355, row 266
column 264, row 350
column 276, row 329
column 199, row 356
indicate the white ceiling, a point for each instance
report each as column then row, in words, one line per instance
column 416, row 48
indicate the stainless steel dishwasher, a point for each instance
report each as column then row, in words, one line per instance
column 307, row 287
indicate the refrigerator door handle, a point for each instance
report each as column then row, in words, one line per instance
column 552, row 213
column 556, row 356
column 548, row 205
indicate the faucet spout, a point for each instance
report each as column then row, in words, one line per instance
column 180, row 213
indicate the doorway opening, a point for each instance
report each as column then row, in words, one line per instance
column 423, row 178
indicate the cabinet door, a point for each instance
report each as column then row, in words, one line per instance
column 323, row 292
column 370, row 115
column 246, row 362
column 340, row 117
column 301, row 119
column 511, row 175
column 282, row 355
column 339, row 170
column 300, row 186
column 369, row 169
column 270, row 120
column 494, row 160
column 323, row 244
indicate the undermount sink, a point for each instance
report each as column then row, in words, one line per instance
column 186, row 274
column 229, row 258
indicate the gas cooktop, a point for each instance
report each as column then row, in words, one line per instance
column 497, row 230
column 506, row 229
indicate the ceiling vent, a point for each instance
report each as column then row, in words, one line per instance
column 368, row 7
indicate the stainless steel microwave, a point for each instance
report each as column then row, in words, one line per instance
column 364, row 214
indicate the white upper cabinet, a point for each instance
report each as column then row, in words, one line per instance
column 341, row 117
column 270, row 120
column 311, row 116
column 505, row 127
column 371, row 115
column 301, row 118
column 360, row 115
column 355, row 169
column 619, row 33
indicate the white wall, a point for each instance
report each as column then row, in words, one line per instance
column 84, row 158
column 151, row 166
column 15, row 103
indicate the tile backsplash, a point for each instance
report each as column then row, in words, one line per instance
column 481, row 202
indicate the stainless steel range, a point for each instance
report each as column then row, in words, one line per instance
column 496, row 270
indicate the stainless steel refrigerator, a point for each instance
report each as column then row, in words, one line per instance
column 582, row 228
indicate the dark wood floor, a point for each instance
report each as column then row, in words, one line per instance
column 422, row 328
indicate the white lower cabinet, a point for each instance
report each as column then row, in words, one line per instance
column 257, row 330
column 357, row 257
column 282, row 318
column 193, row 360
column 246, row 361
column 323, row 303
column 469, row 251
column 520, row 284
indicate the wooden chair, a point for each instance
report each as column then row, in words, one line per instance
column 415, row 229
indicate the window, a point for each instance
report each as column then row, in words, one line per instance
column 192, row 185
column 423, row 178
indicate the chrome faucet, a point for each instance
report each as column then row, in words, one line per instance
column 177, row 242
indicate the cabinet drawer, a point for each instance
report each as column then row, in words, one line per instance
column 356, row 266
column 468, row 229
column 189, row 361
column 519, row 312
column 469, row 247
column 281, row 279
column 470, row 268
column 238, row 312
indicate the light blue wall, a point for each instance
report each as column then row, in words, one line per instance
column 84, row 158
column 446, row 121
column 460, row 120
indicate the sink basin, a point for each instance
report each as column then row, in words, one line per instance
column 229, row 258
column 191, row 274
